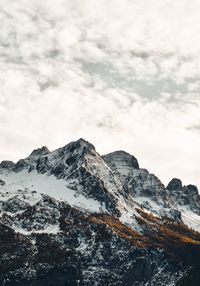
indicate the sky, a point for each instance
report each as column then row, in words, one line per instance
column 124, row 75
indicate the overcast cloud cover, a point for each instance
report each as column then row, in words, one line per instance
column 123, row 74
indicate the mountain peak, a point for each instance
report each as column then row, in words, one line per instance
column 82, row 142
column 66, row 198
column 175, row 184
column 192, row 189
column 79, row 146
column 39, row 152
column 7, row 164
column 121, row 158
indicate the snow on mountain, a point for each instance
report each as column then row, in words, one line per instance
column 191, row 219
column 28, row 186
column 112, row 183
column 110, row 221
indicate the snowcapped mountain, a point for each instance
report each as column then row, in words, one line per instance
column 74, row 217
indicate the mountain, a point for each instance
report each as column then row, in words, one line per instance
column 75, row 217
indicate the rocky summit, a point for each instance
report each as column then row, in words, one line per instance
column 75, row 217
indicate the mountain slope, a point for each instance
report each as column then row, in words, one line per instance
column 103, row 215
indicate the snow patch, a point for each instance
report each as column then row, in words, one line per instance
column 191, row 219
column 29, row 185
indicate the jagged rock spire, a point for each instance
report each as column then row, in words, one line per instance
column 39, row 152
column 175, row 184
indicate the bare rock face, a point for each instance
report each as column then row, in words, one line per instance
column 2, row 183
column 39, row 152
column 191, row 190
column 184, row 196
column 120, row 160
column 14, row 205
column 175, row 184
column 7, row 164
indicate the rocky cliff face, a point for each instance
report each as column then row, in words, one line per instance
column 74, row 217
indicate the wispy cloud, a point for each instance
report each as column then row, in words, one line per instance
column 122, row 74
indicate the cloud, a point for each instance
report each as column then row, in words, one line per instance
column 124, row 75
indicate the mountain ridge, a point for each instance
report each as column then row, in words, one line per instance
column 75, row 198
